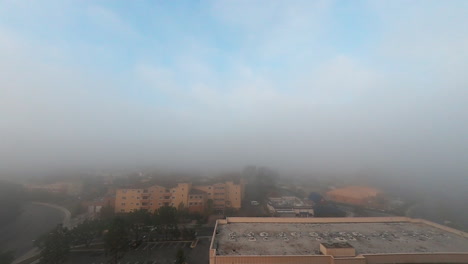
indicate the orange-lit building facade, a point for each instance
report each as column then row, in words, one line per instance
column 195, row 198
column 227, row 194
column 357, row 195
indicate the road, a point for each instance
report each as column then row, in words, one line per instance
column 66, row 221
column 34, row 220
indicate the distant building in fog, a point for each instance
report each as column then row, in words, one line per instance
column 357, row 195
column 290, row 206
column 70, row 188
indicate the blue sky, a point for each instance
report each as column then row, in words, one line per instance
column 304, row 85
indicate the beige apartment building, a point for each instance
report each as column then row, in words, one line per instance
column 227, row 194
column 194, row 197
column 360, row 240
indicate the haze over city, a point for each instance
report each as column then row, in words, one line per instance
column 303, row 86
column 233, row 131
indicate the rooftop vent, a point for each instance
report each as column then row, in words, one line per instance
column 341, row 249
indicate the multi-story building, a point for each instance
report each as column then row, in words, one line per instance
column 195, row 198
column 227, row 194
column 290, row 206
column 358, row 195
column 360, row 240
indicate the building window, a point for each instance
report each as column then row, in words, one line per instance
column 151, row 204
column 172, row 204
column 160, row 197
column 122, row 210
column 160, row 204
column 124, row 197
column 191, row 197
column 138, row 197
column 138, row 191
column 209, row 188
column 190, row 203
column 137, row 203
column 123, row 203
column 173, row 191
column 160, row 191
column 173, row 197
column 209, row 193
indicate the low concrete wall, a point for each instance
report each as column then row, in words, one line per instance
column 361, row 259
column 316, row 220
column 446, row 228
column 273, row 260
column 417, row 258
column 356, row 260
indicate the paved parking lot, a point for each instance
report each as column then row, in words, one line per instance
column 151, row 253
column 147, row 246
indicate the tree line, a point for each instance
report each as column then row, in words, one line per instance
column 116, row 233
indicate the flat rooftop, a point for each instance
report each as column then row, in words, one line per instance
column 269, row 238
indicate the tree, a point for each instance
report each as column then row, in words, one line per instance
column 107, row 212
column 182, row 211
column 328, row 211
column 86, row 232
column 188, row 234
column 166, row 219
column 229, row 212
column 209, row 207
column 175, row 232
column 180, row 257
column 6, row 257
column 55, row 246
column 136, row 220
column 140, row 217
column 116, row 240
